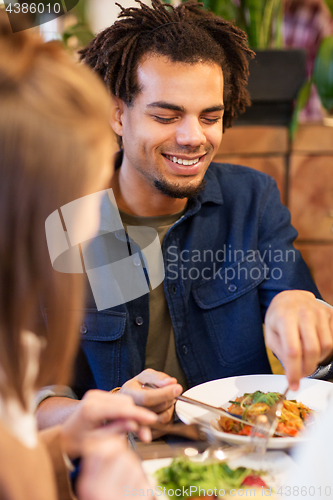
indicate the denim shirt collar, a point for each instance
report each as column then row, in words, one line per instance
column 212, row 191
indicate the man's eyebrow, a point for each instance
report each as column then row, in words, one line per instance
column 213, row 109
column 166, row 105
column 175, row 107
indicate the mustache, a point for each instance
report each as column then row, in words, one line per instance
column 186, row 151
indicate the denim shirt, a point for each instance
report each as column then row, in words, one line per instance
column 225, row 259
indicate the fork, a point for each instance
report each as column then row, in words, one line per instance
column 266, row 425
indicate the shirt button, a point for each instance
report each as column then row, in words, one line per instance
column 185, row 350
column 139, row 320
column 232, row 288
column 83, row 329
column 137, row 260
column 174, row 289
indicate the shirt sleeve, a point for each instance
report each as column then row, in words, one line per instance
column 53, row 391
column 286, row 267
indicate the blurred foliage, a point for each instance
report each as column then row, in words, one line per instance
column 226, row 9
column 301, row 101
column 323, row 73
column 260, row 19
column 263, row 20
column 329, row 4
column 322, row 78
column 79, row 33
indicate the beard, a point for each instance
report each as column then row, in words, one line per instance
column 177, row 191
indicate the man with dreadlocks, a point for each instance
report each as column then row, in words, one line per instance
column 178, row 76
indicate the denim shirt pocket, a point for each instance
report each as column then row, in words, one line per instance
column 236, row 279
column 103, row 326
column 101, row 338
column 231, row 311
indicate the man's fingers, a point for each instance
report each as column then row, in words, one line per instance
column 151, row 398
column 166, row 416
column 284, row 341
column 300, row 332
column 292, row 356
column 166, row 405
column 325, row 333
column 310, row 344
column 151, row 376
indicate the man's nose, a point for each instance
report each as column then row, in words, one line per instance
column 190, row 132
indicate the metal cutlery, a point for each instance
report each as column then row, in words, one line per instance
column 270, row 419
column 263, row 429
column 266, row 426
column 237, row 418
column 215, row 409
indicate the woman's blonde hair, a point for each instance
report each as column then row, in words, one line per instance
column 54, row 135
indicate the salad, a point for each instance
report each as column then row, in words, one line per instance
column 186, row 479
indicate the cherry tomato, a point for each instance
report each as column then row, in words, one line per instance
column 254, row 481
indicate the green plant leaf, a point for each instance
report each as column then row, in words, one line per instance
column 271, row 26
column 253, row 14
column 278, row 42
column 262, row 20
column 301, row 101
column 266, row 25
column 80, row 31
column 329, row 4
column 226, row 9
column 323, row 72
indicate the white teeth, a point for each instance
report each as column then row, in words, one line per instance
column 180, row 161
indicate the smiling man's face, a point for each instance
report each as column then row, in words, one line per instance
column 174, row 126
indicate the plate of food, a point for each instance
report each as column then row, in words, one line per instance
column 250, row 395
column 251, row 475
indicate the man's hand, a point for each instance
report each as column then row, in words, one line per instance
column 101, row 414
column 299, row 330
column 110, row 471
column 160, row 400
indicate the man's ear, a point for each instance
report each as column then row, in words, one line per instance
column 116, row 115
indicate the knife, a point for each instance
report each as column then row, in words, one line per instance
column 214, row 409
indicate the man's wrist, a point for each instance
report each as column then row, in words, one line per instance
column 52, row 391
column 115, row 390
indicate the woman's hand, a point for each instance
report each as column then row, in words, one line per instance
column 110, row 471
column 101, row 414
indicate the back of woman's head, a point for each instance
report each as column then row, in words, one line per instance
column 54, row 140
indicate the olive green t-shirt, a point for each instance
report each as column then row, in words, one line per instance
column 160, row 350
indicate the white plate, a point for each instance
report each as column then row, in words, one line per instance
column 275, row 463
column 313, row 393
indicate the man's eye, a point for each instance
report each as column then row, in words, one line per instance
column 212, row 120
column 163, row 120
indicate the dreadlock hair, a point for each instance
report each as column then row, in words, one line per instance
column 185, row 34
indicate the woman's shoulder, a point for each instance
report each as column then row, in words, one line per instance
column 26, row 473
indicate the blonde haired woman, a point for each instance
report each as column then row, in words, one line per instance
column 55, row 147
